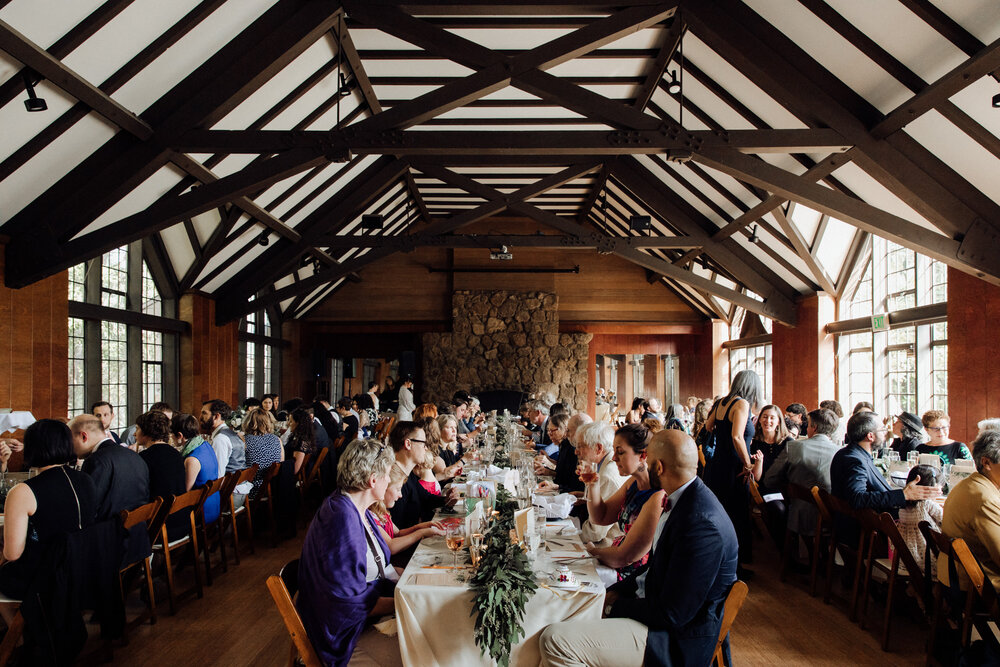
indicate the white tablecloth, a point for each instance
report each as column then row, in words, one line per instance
column 434, row 609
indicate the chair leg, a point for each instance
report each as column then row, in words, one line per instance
column 786, row 550
column 274, row 523
column 220, row 529
column 171, row 594
column 249, row 517
column 194, row 562
column 236, row 535
column 9, row 643
column 205, row 551
column 829, row 570
column 935, row 623
column 863, row 620
column 858, row 567
column 151, row 604
column 888, row 609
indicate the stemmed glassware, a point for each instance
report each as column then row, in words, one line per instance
column 455, row 539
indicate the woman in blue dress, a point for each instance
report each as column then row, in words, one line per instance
column 200, row 464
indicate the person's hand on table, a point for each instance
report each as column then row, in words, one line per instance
column 14, row 444
column 454, row 470
column 431, row 529
column 5, row 453
column 547, row 486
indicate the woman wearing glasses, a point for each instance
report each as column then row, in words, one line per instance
column 937, row 423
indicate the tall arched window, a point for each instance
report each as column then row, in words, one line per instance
column 260, row 354
column 122, row 335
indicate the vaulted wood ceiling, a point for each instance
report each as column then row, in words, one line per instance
column 244, row 140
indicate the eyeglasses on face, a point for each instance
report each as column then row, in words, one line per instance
column 415, row 440
column 939, row 428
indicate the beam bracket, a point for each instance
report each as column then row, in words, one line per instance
column 978, row 247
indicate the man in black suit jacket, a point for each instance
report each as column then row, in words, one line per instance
column 670, row 612
column 120, row 475
column 855, row 479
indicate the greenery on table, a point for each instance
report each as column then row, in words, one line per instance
column 503, row 583
column 501, row 458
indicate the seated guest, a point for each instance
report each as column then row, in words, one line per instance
column 806, row 463
column 263, row 447
column 344, row 569
column 442, row 471
column 798, row 414
column 635, row 506
column 302, row 441
column 538, row 415
column 835, row 408
column 915, row 511
column 424, row 470
column 862, row 406
column 165, row 464
column 655, row 411
column 556, row 428
column 399, row 539
column 106, row 413
column 229, row 448
column 415, row 504
column 200, row 464
column 128, row 437
column 348, row 420
column 972, row 510
column 425, row 410
column 638, row 411
column 269, row 403
column 770, row 439
column 909, row 432
column 855, row 479
column 670, row 612
column 594, row 444
column 119, row 475
column 449, row 448
column 321, row 419
column 56, row 500
column 565, row 473
column 652, row 425
column 937, row 423
column 674, row 418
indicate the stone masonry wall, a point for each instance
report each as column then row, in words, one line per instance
column 510, row 341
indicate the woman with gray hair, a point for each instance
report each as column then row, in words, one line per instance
column 972, row 510
column 344, row 573
column 595, row 445
column 726, row 474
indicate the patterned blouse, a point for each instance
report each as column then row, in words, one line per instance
column 635, row 499
column 909, row 527
column 264, row 450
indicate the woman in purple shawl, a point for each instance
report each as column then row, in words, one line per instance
column 343, row 569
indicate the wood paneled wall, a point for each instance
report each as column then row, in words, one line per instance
column 34, row 344
column 973, row 362
column 802, row 358
column 607, row 289
column 209, row 355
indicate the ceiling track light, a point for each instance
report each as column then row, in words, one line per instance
column 996, row 101
column 264, row 239
column 344, row 86
column 674, row 87
column 33, row 103
column 753, row 234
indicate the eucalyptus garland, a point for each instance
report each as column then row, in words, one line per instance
column 501, row 458
column 503, row 584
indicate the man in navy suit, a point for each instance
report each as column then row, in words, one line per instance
column 670, row 612
column 855, row 479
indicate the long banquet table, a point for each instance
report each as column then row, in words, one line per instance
column 434, row 607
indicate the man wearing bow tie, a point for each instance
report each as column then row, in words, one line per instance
column 670, row 611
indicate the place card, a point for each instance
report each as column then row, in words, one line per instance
column 448, row 578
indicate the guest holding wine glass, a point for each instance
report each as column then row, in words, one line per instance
column 594, row 448
column 344, row 576
column 635, row 506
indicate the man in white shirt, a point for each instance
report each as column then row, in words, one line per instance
column 229, row 448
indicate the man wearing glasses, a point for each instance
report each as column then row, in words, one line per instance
column 855, row 479
column 417, row 504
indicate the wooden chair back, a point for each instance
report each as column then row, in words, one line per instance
column 290, row 616
column 967, row 561
column 147, row 512
column 316, row 472
column 272, row 472
column 214, row 486
column 734, row 601
column 902, row 552
column 338, row 443
column 818, row 496
column 755, row 496
column 247, row 475
column 191, row 500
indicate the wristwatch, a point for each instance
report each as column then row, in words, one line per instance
column 607, row 608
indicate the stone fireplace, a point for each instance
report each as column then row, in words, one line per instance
column 510, row 341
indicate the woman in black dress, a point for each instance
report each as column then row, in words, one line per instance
column 303, row 438
column 731, row 422
column 57, row 500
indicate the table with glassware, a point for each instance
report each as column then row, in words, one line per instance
column 434, row 604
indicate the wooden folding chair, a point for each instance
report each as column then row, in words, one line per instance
column 231, row 513
column 315, row 475
column 831, row 505
column 283, row 587
column 872, row 529
column 151, row 514
column 734, row 601
column 798, row 492
column 215, row 486
column 14, row 631
column 186, row 502
column 266, row 498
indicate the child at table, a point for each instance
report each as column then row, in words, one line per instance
column 400, row 539
column 916, row 511
column 425, row 471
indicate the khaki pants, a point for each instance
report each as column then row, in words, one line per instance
column 611, row 642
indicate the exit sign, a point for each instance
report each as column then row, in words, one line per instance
column 880, row 322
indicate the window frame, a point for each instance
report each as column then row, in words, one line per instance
column 261, row 350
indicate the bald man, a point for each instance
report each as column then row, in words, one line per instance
column 670, row 612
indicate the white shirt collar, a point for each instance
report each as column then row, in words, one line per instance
column 676, row 495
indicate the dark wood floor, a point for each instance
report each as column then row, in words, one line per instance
column 780, row 624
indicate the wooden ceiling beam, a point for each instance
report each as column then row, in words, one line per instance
column 591, row 241
column 521, row 142
column 73, row 84
column 819, row 273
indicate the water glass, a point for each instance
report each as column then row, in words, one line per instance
column 912, row 458
column 540, row 524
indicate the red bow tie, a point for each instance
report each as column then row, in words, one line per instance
column 666, row 503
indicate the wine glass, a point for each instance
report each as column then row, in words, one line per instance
column 587, row 471
column 475, row 548
column 455, row 539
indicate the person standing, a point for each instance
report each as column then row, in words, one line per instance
column 120, row 477
column 405, row 399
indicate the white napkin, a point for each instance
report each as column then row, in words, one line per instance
column 473, row 520
column 932, row 460
column 556, row 507
column 964, row 465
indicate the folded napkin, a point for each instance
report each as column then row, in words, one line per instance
column 473, row 520
column 555, row 507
